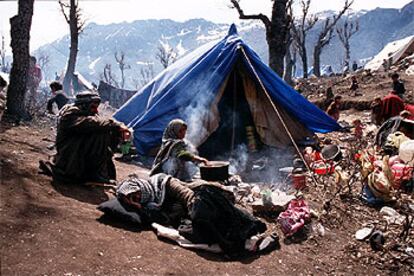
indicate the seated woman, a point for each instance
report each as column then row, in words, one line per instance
column 174, row 155
column 214, row 218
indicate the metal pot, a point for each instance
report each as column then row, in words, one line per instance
column 215, row 171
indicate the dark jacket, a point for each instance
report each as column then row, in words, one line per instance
column 398, row 87
column 60, row 99
column 84, row 145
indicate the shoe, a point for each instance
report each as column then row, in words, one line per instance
column 269, row 244
column 45, row 167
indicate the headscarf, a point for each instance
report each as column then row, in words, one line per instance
column 152, row 190
column 172, row 130
column 170, row 140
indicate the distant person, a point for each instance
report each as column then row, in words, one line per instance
column 385, row 65
column 392, row 105
column 354, row 66
column 354, row 86
column 334, row 107
column 58, row 97
column 390, row 60
column 397, row 85
column 33, row 80
column 376, row 108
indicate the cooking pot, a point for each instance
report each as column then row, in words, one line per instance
column 215, row 171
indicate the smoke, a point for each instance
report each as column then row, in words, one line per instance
column 199, row 111
column 238, row 159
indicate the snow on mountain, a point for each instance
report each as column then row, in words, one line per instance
column 139, row 40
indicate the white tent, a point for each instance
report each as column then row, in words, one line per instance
column 394, row 51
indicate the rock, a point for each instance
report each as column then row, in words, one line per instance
column 392, row 216
column 363, row 233
column 279, row 202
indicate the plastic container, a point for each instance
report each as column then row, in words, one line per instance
column 323, row 168
column 298, row 180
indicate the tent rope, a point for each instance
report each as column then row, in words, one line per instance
column 279, row 116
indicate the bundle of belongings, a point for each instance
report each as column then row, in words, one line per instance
column 393, row 171
column 295, row 217
column 196, row 215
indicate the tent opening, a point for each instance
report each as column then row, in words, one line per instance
column 236, row 125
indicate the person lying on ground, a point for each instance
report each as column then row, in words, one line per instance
column 85, row 143
column 58, row 97
column 174, row 155
column 214, row 218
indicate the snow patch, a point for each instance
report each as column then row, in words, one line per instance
column 93, row 64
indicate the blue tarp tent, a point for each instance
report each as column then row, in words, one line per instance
column 193, row 89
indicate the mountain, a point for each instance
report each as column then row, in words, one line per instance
column 139, row 40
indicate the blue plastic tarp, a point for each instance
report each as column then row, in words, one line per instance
column 195, row 79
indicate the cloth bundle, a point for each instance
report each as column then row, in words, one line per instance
column 295, row 217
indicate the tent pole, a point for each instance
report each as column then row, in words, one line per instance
column 279, row 116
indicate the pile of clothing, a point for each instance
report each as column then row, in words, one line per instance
column 390, row 172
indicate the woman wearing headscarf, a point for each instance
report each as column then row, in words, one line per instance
column 214, row 218
column 174, row 154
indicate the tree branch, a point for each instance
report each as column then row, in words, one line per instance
column 260, row 16
column 62, row 8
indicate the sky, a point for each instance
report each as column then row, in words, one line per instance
column 48, row 23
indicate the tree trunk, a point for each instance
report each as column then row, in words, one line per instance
column 74, row 41
column 277, row 36
column 317, row 60
column 288, row 68
column 304, row 57
column 276, row 56
column 347, row 54
column 20, row 40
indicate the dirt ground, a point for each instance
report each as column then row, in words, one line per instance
column 51, row 229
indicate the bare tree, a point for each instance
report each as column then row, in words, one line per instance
column 20, row 40
column 325, row 37
column 43, row 61
column 277, row 30
column 166, row 56
column 3, row 54
column 108, row 77
column 72, row 13
column 147, row 73
column 290, row 62
column 299, row 32
column 120, row 59
column 345, row 33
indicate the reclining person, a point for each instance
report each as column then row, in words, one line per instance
column 214, row 218
column 174, row 155
column 85, row 143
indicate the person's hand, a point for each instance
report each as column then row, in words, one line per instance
column 201, row 160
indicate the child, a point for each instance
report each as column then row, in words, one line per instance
column 354, row 86
column 358, row 128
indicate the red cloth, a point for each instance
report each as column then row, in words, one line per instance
column 392, row 105
column 35, row 75
column 410, row 108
